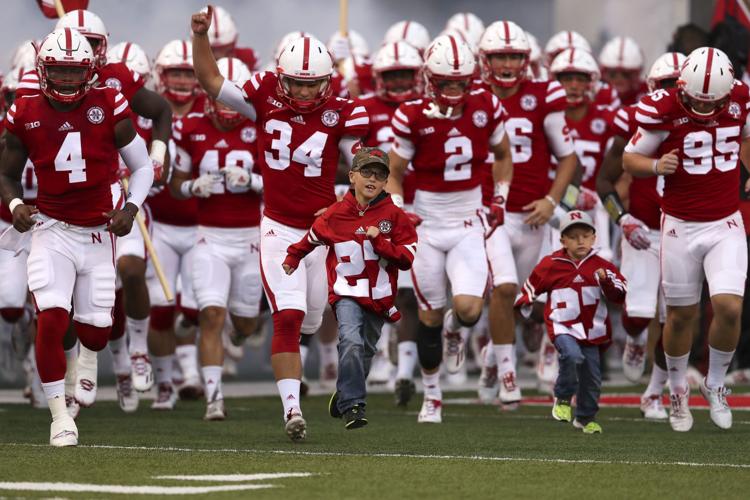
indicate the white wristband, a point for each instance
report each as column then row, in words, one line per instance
column 502, row 188
column 655, row 167
column 14, row 203
column 550, row 199
column 186, row 189
column 158, row 151
column 397, row 200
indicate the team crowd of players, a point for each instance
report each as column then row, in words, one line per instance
column 491, row 142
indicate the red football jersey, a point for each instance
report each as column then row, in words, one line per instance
column 361, row 268
column 705, row 186
column 29, row 184
column 574, row 301
column 115, row 75
column 635, row 95
column 204, row 149
column 448, row 155
column 591, row 139
column 73, row 152
column 530, row 146
column 644, row 192
column 298, row 153
column 381, row 135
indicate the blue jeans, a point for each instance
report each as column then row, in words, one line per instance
column 579, row 374
column 359, row 331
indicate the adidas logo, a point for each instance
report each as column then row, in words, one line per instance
column 290, row 397
column 360, row 230
column 578, row 279
column 454, row 132
column 270, row 233
column 298, row 119
column 65, row 127
column 221, row 144
column 672, row 233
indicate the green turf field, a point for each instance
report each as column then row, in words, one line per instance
column 478, row 452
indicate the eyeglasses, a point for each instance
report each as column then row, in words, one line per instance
column 368, row 172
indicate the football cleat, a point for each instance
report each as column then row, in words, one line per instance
column 295, row 425
column 191, row 389
column 72, row 406
column 680, row 417
column 63, row 432
column 488, row 382
column 738, row 377
column 85, row 389
column 633, row 359
column 142, row 372
column 510, row 392
column 589, row 428
column 561, row 410
column 651, row 407
column 166, row 397
column 454, row 347
column 721, row 414
column 431, row 412
column 126, row 396
column 404, row 391
column 215, row 411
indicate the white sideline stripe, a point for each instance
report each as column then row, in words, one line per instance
column 228, row 478
column 480, row 458
column 128, row 490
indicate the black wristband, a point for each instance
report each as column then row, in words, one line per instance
column 613, row 205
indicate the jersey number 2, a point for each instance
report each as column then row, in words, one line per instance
column 70, row 158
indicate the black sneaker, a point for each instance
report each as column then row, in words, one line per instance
column 333, row 409
column 405, row 389
column 355, row 417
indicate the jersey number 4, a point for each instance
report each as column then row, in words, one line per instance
column 70, row 158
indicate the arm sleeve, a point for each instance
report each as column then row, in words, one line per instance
column 646, row 142
column 135, row 156
column 556, row 131
column 236, row 98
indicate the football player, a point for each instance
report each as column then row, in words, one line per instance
column 621, row 61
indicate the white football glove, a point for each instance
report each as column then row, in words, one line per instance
column 203, row 186
column 554, row 221
column 635, row 231
column 237, row 177
column 339, row 47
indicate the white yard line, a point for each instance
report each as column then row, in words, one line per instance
column 128, row 490
column 481, row 458
column 228, row 478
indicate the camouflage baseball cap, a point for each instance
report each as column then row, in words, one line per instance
column 370, row 156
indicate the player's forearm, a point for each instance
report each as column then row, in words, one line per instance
column 151, row 105
column 502, row 167
column 10, row 188
column 638, row 165
column 611, row 169
column 395, row 184
column 205, row 66
column 566, row 171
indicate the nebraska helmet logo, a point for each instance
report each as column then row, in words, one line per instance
column 734, row 110
column 528, row 102
column 113, row 83
column 248, row 134
column 385, row 226
column 95, row 115
column 479, row 118
column 330, row 118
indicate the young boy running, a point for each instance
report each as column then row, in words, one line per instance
column 577, row 280
column 369, row 240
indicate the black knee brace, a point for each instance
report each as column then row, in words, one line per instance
column 429, row 346
column 305, row 339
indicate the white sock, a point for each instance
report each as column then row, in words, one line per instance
column 55, row 392
column 385, row 336
column 328, row 353
column 504, row 357
column 407, row 359
column 677, row 370
column 71, row 357
column 639, row 339
column 137, row 330
column 453, row 324
column 187, row 356
column 489, row 355
column 120, row 357
column 431, row 385
column 87, row 357
column 718, row 364
column 657, row 381
column 303, row 351
column 212, row 381
column 289, row 393
column 163, row 368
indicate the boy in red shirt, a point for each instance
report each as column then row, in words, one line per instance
column 576, row 281
column 369, row 240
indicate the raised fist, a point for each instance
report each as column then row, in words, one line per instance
column 201, row 21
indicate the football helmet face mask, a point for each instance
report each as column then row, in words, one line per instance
column 666, row 67
column 175, row 78
column 504, row 54
column 396, row 70
column 92, row 27
column 65, row 63
column 411, row 32
column 564, row 40
column 705, row 82
column 578, row 73
column 448, row 70
column 235, row 71
column 133, row 56
column 304, row 69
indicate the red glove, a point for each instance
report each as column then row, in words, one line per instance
column 587, row 200
column 635, row 231
column 158, row 170
column 496, row 217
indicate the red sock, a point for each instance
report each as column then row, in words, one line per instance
column 50, row 355
column 92, row 337
column 286, row 330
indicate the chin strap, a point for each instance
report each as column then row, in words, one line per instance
column 433, row 111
